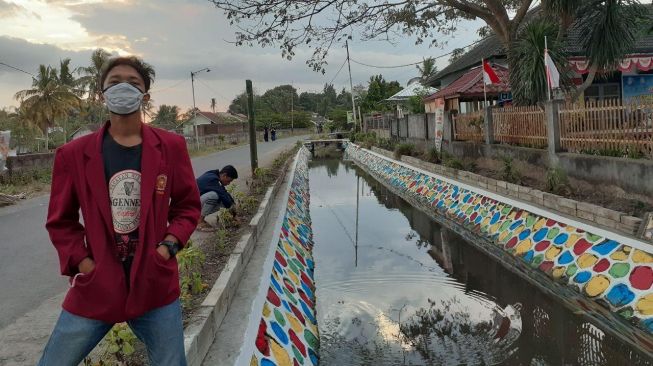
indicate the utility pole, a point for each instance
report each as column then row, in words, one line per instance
column 252, row 131
column 197, row 139
column 351, row 85
column 192, row 83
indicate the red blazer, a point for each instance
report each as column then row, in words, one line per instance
column 170, row 204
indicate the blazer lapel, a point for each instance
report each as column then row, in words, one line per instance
column 95, row 177
column 150, row 163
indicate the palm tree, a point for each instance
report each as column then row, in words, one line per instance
column 48, row 100
column 609, row 29
column 528, row 76
column 90, row 81
column 427, row 69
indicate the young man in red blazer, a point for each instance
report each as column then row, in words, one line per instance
column 135, row 187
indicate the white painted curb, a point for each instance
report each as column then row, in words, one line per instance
column 201, row 330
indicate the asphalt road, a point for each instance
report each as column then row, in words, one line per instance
column 29, row 268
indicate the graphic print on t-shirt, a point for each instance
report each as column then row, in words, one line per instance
column 125, row 194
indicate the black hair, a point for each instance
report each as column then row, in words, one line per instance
column 230, row 171
column 145, row 70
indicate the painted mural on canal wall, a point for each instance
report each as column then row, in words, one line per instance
column 287, row 330
column 607, row 276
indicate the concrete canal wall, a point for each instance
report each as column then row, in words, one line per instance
column 605, row 275
column 283, row 327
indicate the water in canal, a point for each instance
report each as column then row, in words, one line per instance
column 399, row 289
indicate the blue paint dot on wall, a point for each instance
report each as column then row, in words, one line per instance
column 582, row 277
column 648, row 324
column 606, row 247
column 540, row 234
column 561, row 239
column 620, row 295
column 478, row 220
column 495, row 218
column 307, row 290
column 276, row 285
column 467, row 198
column 277, row 267
column 524, row 234
column 308, row 312
column 565, row 258
column 279, row 332
column 312, row 356
column 310, row 264
column 528, row 256
column 515, row 224
column 266, row 362
column 285, row 305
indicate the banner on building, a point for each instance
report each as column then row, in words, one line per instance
column 5, row 137
column 637, row 87
column 439, row 122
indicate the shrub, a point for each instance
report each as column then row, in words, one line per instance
column 556, row 180
column 510, row 173
column 387, row 144
column 432, row 155
column 404, row 149
column 453, row 163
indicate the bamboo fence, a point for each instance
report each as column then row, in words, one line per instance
column 523, row 126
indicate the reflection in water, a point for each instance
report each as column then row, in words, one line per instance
column 398, row 289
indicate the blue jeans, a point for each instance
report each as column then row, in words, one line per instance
column 161, row 329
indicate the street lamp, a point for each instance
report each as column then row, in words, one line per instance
column 192, row 83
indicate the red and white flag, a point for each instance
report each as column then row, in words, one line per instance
column 489, row 75
column 552, row 74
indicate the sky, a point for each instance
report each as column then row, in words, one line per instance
column 180, row 36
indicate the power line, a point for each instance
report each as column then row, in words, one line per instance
column 17, row 69
column 415, row 63
column 169, row 87
column 213, row 90
column 337, row 73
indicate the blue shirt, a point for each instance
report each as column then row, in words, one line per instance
column 210, row 182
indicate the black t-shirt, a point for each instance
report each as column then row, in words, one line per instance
column 122, row 169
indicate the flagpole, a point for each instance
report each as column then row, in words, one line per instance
column 546, row 68
column 484, row 90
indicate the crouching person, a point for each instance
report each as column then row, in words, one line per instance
column 213, row 193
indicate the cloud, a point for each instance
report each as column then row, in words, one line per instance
column 179, row 36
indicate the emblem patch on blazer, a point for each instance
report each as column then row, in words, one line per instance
column 161, row 182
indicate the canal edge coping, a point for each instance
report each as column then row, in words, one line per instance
column 205, row 322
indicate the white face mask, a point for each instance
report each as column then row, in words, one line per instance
column 123, row 98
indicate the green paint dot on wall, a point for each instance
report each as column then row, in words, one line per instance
column 290, row 296
column 280, row 319
column 553, row 233
column 298, row 355
column 591, row 237
column 537, row 260
column 293, row 267
column 310, row 338
column 530, row 221
column 505, row 226
column 506, row 210
column 619, row 270
column 469, row 210
column 626, row 312
column 571, row 270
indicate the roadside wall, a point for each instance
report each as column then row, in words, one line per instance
column 29, row 162
column 632, row 175
column 606, row 275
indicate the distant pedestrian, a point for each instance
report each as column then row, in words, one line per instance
column 134, row 186
column 273, row 134
column 213, row 193
column 265, row 133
